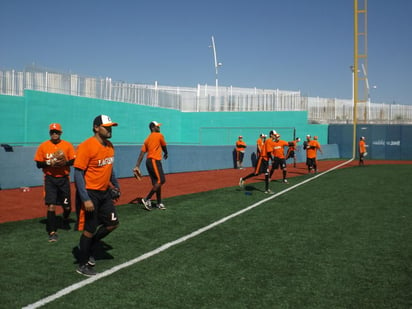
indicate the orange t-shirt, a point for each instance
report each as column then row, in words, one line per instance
column 153, row 145
column 312, row 150
column 259, row 145
column 240, row 146
column 362, row 147
column 267, row 149
column 96, row 160
column 45, row 152
column 279, row 148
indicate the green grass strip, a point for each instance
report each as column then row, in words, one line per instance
column 340, row 241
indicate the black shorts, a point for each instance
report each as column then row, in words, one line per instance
column 155, row 170
column 291, row 154
column 57, row 191
column 104, row 212
column 239, row 156
column 278, row 162
column 310, row 161
column 261, row 166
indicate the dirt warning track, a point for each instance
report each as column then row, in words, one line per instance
column 20, row 204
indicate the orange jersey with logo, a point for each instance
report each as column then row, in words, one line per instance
column 96, row 160
column 45, row 152
column 362, row 147
column 153, row 145
column 312, row 150
column 279, row 149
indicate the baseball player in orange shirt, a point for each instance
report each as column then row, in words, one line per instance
column 262, row 165
column 259, row 144
column 292, row 151
column 279, row 160
column 94, row 177
column 240, row 152
column 154, row 145
column 311, row 153
column 56, row 177
column 362, row 151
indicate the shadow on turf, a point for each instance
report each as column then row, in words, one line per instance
column 99, row 252
column 250, row 189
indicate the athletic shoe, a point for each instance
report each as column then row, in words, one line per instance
column 285, row 181
column 269, row 192
column 161, row 206
column 53, row 237
column 86, row 270
column 241, row 182
column 147, row 204
column 92, row 261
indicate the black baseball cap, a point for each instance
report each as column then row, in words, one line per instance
column 105, row 121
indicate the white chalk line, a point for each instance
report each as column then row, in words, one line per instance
column 168, row 245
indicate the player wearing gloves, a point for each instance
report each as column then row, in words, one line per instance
column 55, row 156
column 154, row 145
column 97, row 187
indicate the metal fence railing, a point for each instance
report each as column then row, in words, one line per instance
column 202, row 98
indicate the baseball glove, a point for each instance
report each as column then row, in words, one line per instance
column 58, row 159
column 115, row 193
column 137, row 173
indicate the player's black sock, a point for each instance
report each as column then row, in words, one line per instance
column 159, row 196
column 66, row 213
column 51, row 222
column 84, row 252
column 101, row 233
column 149, row 196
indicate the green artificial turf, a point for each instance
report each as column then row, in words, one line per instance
column 342, row 240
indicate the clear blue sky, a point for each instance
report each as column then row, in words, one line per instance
column 304, row 45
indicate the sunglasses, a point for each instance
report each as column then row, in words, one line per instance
column 55, row 132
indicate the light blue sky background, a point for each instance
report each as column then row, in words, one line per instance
column 304, row 45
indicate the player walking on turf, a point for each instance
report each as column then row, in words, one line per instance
column 55, row 156
column 94, row 176
column 262, row 165
column 311, row 154
column 279, row 160
column 362, row 151
column 154, row 146
column 240, row 152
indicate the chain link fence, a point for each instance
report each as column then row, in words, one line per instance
column 202, row 98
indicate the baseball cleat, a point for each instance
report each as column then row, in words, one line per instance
column 147, row 204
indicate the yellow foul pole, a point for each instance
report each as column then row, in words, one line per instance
column 355, row 72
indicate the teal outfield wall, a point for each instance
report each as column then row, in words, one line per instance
column 19, row 170
column 26, row 119
column 384, row 142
